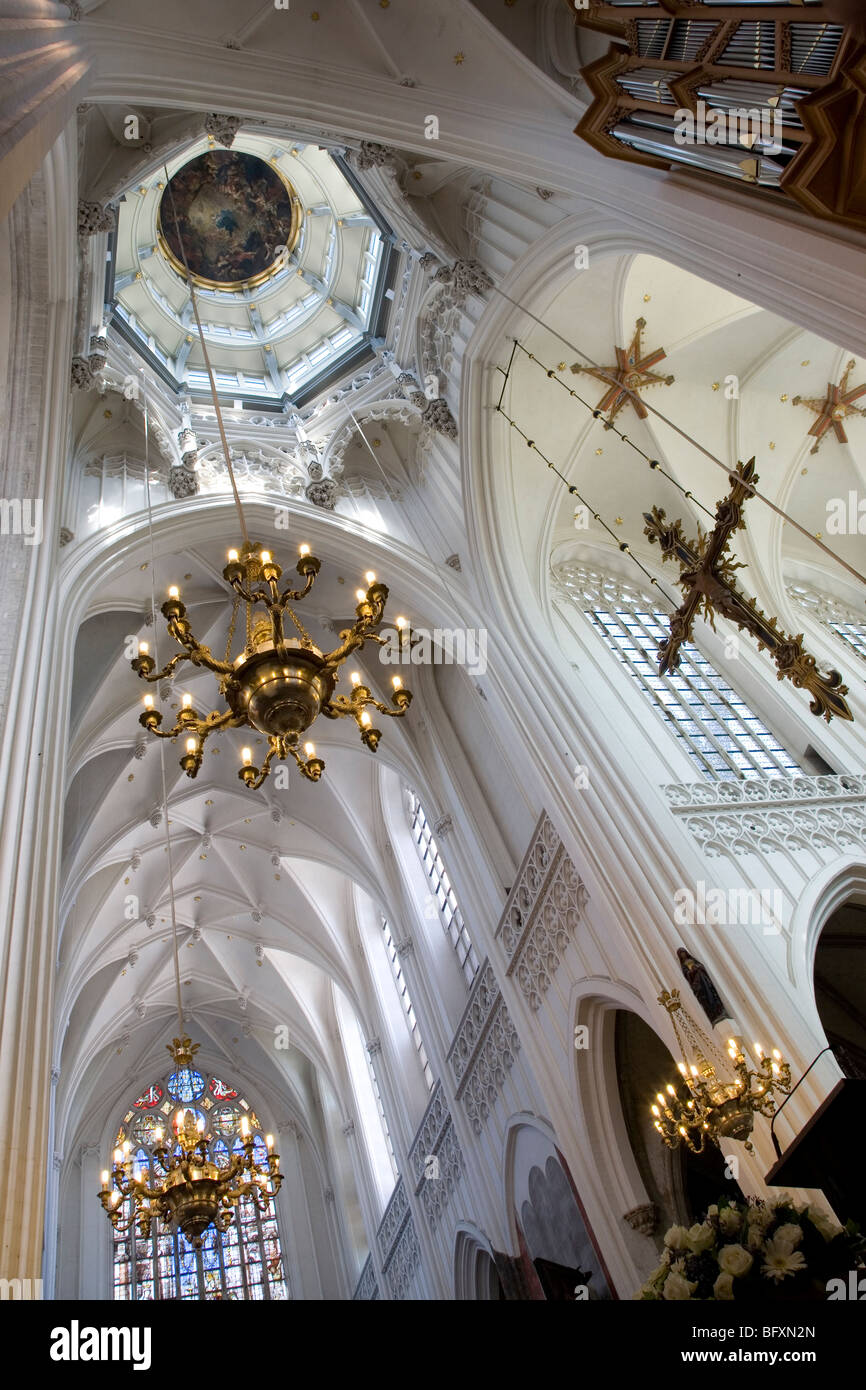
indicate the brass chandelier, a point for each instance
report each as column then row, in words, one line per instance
column 277, row 685
column 716, row 1099
column 185, row 1189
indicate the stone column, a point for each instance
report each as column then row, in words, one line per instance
column 45, row 75
column 302, row 1261
column 33, row 694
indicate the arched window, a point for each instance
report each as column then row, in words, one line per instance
column 244, row 1262
column 406, row 1001
column 443, row 893
column 842, row 621
column 722, row 736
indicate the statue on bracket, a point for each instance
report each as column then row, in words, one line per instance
column 700, row 983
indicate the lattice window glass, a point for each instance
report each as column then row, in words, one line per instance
column 406, row 1001
column 844, row 622
column 381, row 1109
column 243, row 1262
column 442, row 892
column 723, row 737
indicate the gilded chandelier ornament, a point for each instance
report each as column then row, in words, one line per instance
column 716, row 1099
column 187, row 1189
column 277, row 685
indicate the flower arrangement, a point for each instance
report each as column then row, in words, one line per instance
column 756, row 1250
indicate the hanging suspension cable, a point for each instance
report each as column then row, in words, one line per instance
column 684, row 435
column 621, row 545
column 175, row 948
column 215, row 398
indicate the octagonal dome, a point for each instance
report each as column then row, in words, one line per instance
column 288, row 262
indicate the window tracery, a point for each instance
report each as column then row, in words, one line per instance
column 724, row 738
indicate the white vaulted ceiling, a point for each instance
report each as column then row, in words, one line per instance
column 736, row 368
column 278, row 891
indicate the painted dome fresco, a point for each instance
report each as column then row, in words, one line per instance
column 229, row 214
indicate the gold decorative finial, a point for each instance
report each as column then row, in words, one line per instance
column 182, row 1050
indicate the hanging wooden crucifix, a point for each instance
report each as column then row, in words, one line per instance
column 707, row 580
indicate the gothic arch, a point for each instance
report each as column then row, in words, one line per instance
column 546, row 1219
column 475, row 1275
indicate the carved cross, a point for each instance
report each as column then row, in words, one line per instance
column 837, row 405
column 630, row 375
column 707, row 580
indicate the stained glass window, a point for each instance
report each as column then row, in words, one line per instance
column 244, row 1262
column 186, row 1084
column 152, row 1096
column 220, row 1091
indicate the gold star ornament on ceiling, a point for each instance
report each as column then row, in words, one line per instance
column 837, row 405
column 630, row 374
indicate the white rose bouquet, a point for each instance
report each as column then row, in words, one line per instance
column 758, row 1251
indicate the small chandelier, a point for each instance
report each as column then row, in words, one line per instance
column 190, row 1192
column 720, row 1099
column 277, row 686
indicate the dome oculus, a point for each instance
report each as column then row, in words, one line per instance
column 233, row 212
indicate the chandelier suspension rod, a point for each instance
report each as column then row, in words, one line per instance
column 621, row 545
column 810, row 536
column 207, row 362
column 175, row 949
column 653, row 463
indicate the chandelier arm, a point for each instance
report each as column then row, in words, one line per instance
column 386, row 709
column 351, row 640
column 165, row 673
column 202, row 656
column 169, row 733
column 338, row 707
column 295, row 595
column 256, row 782
column 215, row 722
column 252, row 596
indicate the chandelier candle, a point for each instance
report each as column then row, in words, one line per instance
column 277, row 685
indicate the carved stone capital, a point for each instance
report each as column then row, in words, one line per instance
column 443, row 827
column 322, row 493
column 223, row 128
column 465, row 277
column 182, row 482
column 374, row 1047
column 93, row 218
column 371, row 155
column 436, row 415
column 643, row 1219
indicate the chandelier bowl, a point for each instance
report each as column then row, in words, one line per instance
column 735, row 1120
column 280, row 695
column 193, row 1202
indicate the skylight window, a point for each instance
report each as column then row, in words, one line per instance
column 253, row 313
